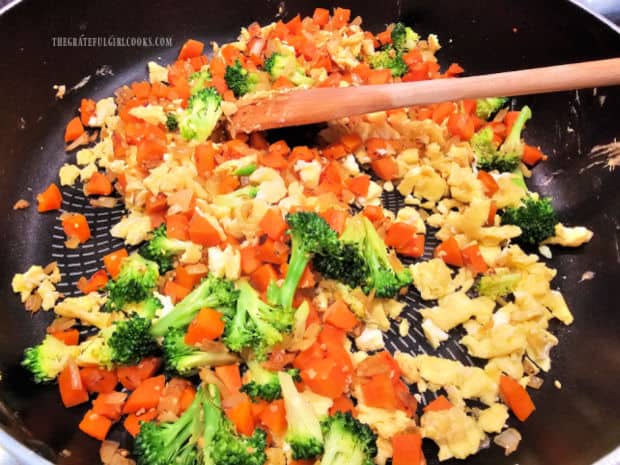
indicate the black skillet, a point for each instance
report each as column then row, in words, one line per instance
column 572, row 426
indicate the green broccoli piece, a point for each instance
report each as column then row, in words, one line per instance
column 185, row 359
column 498, row 285
column 536, row 218
column 240, row 80
column 162, row 250
column 310, row 234
column 212, row 292
column 264, row 384
column 403, row 37
column 172, row 123
column 513, row 144
column 199, row 80
column 149, row 308
column 389, row 59
column 256, row 324
column 485, row 107
column 304, row 429
column 246, row 170
column 382, row 276
column 347, row 265
column 135, row 282
column 46, row 360
column 203, row 112
column 221, row 445
column 488, row 158
column 278, row 65
column 348, row 441
column 172, row 442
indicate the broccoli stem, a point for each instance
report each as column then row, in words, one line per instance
column 297, row 265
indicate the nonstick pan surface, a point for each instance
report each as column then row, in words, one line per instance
column 572, row 426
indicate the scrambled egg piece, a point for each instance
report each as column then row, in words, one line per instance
column 455, row 309
column 225, row 263
column 152, row 114
column 87, row 172
column 457, row 434
column 411, row 216
column 38, row 281
column 68, row 174
column 87, row 309
column 157, row 72
column 105, row 108
column 386, row 423
column 104, row 149
column 464, row 185
column 434, row 334
column 370, row 339
column 320, row 404
column 432, row 278
column 133, row 228
column 570, row 236
column 493, row 419
column 424, row 182
column 309, row 172
column 271, row 186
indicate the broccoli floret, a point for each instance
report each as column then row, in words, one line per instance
column 236, row 198
column 134, row 283
column 256, row 324
column 382, row 275
column 221, row 445
column 488, row 158
column 513, row 145
column 201, row 116
column 499, row 285
column 348, row 441
column 212, row 292
column 347, row 265
column 485, row 107
column 162, row 250
column 389, row 59
column 172, row 442
column 310, row 234
column 278, row 65
column 172, row 123
column 264, row 384
column 304, row 429
column 185, row 359
column 240, row 80
column 198, row 80
column 536, row 218
column 403, row 37
column 148, row 308
column 46, row 360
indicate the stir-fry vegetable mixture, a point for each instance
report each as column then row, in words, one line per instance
column 244, row 323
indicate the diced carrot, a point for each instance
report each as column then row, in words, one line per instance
column 461, row 125
column 249, row 260
column 449, row 252
column 177, row 226
column 339, row 315
column 187, row 397
column 175, row 291
column 241, row 416
column 112, row 261
column 263, row 276
column 50, row 199
column 95, row 425
column 335, row 151
column 72, row 390
column 341, row 17
column 488, row 183
column 198, row 62
column 150, row 153
column 385, row 168
column 273, row 417
column 359, row 185
column 379, row 392
column 184, row 278
column 442, row 111
column 454, row 69
column 532, row 155
column 132, row 376
column 202, row 232
column 473, row 259
column 133, row 422
column 306, row 357
column 146, row 395
column 88, row 108
column 273, row 224
column 325, row 377
column 282, row 82
column 351, row 141
column 412, row 57
column 399, row 234
column 385, row 37
column 414, row 248
column 492, row 213
column 228, row 184
column 217, row 67
column 110, row 404
column 273, row 160
column 516, row 397
column 141, row 89
column 230, row 376
column 69, row 336
column 373, row 213
column 190, row 49
column 438, row 404
column 335, row 218
column 510, row 119
column 307, row 279
column 379, row 76
column 93, row 284
column 342, row 404
column 205, row 158
column 97, row 379
column 275, row 252
column 230, row 54
column 320, row 17
column 208, row 324
column 407, row 449
column 76, row 227
column 73, row 130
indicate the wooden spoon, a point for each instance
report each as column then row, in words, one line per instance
column 315, row 105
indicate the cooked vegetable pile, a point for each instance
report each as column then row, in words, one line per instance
column 244, row 323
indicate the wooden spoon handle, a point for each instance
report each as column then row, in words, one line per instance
column 323, row 104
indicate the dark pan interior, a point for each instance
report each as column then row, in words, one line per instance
column 572, row 426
